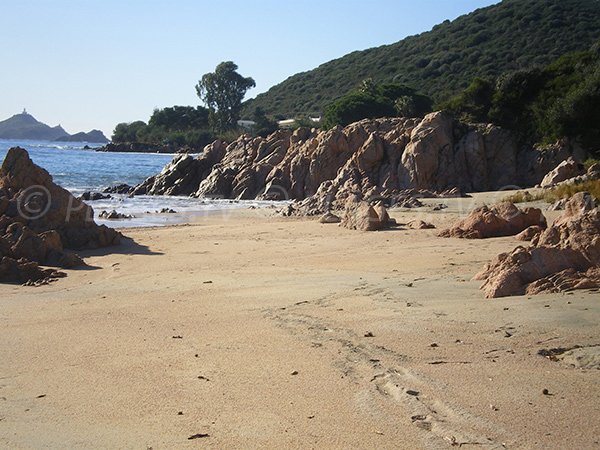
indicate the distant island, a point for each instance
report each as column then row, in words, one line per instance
column 25, row 126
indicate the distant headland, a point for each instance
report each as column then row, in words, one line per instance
column 25, row 126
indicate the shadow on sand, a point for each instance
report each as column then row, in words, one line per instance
column 127, row 247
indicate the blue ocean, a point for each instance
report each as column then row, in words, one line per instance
column 78, row 168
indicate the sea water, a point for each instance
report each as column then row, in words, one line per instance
column 78, row 167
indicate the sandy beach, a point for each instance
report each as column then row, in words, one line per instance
column 245, row 330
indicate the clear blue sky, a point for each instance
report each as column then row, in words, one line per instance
column 94, row 63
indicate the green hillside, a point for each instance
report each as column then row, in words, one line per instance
column 512, row 35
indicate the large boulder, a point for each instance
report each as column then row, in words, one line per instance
column 567, row 169
column 565, row 256
column 363, row 217
column 502, row 219
column 39, row 220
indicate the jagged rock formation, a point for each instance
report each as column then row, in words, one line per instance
column 502, row 219
column 563, row 257
column 39, row 220
column 371, row 159
column 184, row 174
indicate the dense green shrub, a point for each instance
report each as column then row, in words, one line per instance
column 183, row 126
column 540, row 104
column 373, row 100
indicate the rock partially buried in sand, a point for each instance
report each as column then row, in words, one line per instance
column 564, row 257
column 502, row 219
column 364, row 217
column 329, row 217
column 420, row 225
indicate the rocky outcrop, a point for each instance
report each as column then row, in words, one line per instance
column 565, row 256
column 375, row 159
column 39, row 219
column 502, row 219
column 569, row 168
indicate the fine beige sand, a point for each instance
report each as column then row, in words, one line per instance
column 245, row 330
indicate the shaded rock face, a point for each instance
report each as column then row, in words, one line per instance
column 25, row 271
column 183, row 175
column 329, row 218
column 39, row 219
column 534, row 165
column 375, row 158
column 563, row 257
column 502, row 219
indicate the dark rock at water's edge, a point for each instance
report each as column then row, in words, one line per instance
column 140, row 147
column 387, row 160
column 112, row 215
column 118, row 189
column 40, row 221
column 93, row 196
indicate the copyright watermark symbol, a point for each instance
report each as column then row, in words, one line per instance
column 33, row 202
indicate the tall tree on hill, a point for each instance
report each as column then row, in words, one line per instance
column 223, row 91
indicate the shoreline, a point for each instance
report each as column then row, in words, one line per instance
column 266, row 331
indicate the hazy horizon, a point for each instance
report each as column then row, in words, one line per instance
column 91, row 65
